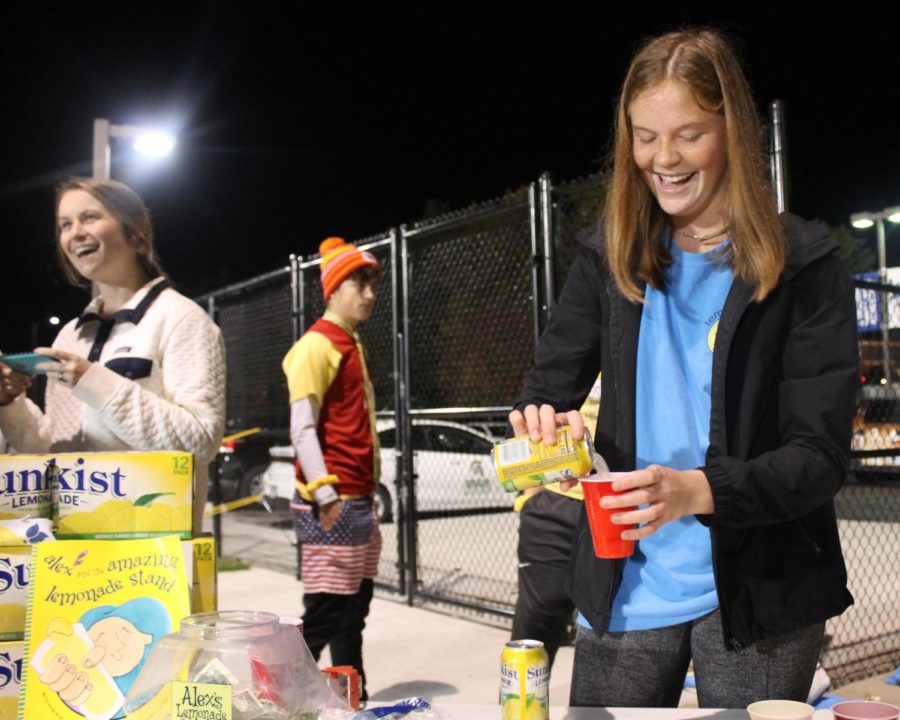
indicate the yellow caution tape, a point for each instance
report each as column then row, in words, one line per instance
column 232, row 505
column 241, row 434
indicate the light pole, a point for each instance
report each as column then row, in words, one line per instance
column 36, row 326
column 862, row 221
column 148, row 141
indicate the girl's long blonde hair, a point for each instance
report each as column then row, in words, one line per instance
column 707, row 64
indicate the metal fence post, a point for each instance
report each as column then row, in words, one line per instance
column 403, row 426
column 537, row 305
column 547, row 226
column 778, row 160
column 400, row 397
column 214, row 469
column 298, row 323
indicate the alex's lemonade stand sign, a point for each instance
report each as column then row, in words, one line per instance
column 96, row 610
column 200, row 701
column 101, row 495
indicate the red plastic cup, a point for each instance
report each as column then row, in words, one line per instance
column 865, row 710
column 607, row 536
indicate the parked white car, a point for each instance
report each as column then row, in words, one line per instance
column 451, row 461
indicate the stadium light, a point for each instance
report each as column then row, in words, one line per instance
column 147, row 141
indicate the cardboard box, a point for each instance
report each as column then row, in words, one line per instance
column 15, row 576
column 102, row 495
column 24, row 491
column 200, row 562
column 11, row 654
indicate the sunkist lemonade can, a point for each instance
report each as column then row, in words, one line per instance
column 524, row 681
column 522, row 463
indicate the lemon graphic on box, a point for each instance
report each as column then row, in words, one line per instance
column 147, row 516
column 25, row 531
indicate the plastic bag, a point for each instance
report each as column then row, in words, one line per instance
column 408, row 709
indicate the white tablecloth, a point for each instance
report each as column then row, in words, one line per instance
column 492, row 712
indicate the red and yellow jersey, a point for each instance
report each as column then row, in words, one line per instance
column 328, row 364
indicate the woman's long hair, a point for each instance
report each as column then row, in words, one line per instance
column 707, row 64
column 126, row 206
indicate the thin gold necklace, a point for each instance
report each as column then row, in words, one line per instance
column 702, row 238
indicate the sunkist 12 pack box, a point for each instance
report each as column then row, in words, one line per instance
column 15, row 574
column 200, row 564
column 10, row 678
column 101, row 495
column 16, row 538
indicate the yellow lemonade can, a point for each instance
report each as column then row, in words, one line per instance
column 11, row 654
column 524, row 681
column 522, row 463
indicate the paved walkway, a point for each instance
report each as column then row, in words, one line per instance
column 408, row 650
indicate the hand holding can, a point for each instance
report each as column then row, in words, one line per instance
column 521, row 463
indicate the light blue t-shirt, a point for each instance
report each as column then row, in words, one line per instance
column 669, row 579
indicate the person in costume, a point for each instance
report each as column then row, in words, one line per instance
column 334, row 438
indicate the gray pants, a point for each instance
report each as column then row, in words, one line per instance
column 646, row 668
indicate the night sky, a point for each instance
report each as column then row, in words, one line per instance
column 349, row 119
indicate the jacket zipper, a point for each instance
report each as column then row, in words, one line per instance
column 809, row 536
column 726, row 331
column 723, row 607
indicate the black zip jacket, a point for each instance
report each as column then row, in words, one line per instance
column 783, row 392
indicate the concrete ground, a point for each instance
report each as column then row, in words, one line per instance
column 408, row 650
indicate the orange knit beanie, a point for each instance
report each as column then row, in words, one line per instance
column 339, row 259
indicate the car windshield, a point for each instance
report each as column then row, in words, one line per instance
column 439, row 438
column 448, row 439
column 420, row 441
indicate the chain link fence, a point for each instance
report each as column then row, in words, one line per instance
column 576, row 212
column 469, row 332
column 255, row 320
column 865, row 640
column 462, row 301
